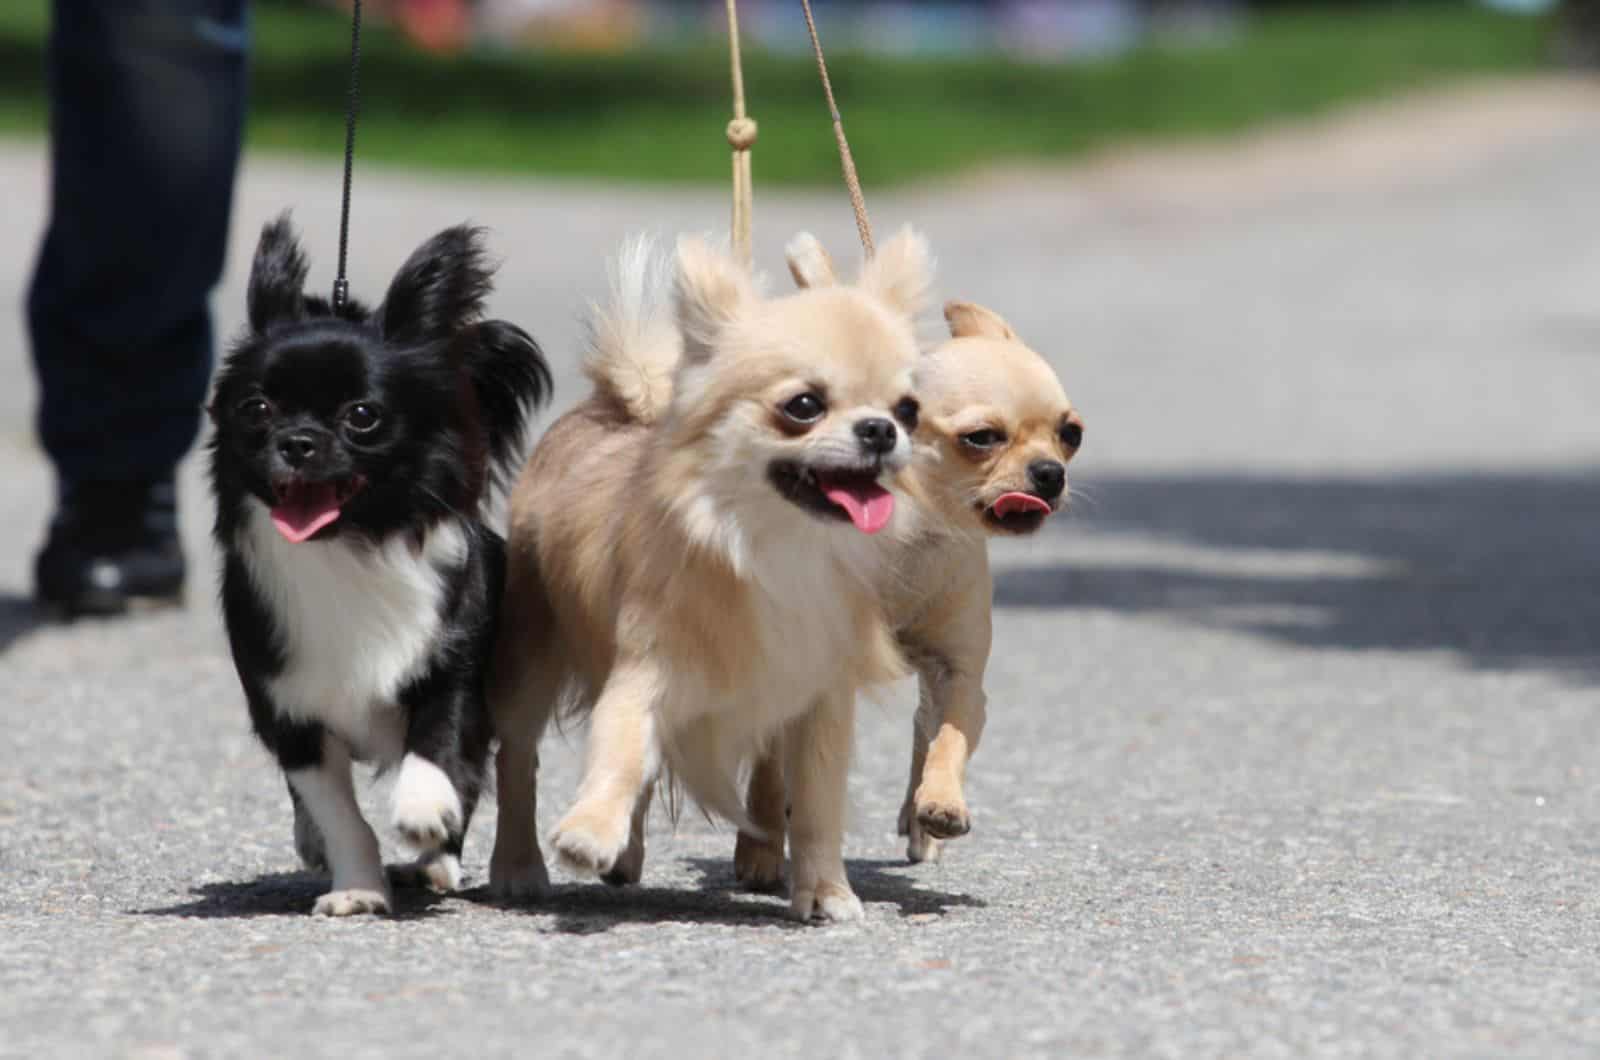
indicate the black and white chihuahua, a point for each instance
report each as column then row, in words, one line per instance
column 353, row 458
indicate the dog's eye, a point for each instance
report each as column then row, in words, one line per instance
column 987, row 438
column 805, row 408
column 254, row 412
column 1072, row 434
column 362, row 419
column 906, row 412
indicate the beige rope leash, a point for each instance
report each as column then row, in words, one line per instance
column 741, row 137
column 846, row 162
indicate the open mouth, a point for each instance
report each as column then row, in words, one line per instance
column 303, row 509
column 847, row 494
column 1017, row 513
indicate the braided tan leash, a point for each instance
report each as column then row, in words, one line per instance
column 741, row 137
column 846, row 162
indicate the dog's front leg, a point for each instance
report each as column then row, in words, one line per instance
column 324, row 788
column 623, row 759
column 936, row 807
column 817, row 750
column 951, row 657
column 441, row 775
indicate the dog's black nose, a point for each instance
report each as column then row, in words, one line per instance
column 1049, row 478
column 296, row 449
column 877, row 434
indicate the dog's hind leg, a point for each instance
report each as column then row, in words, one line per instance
column 328, row 796
column 758, row 860
column 308, row 841
column 817, row 747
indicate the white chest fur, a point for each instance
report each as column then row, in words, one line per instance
column 357, row 621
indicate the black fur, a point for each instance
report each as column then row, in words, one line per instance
column 454, row 393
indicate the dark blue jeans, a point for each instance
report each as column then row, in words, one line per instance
column 147, row 108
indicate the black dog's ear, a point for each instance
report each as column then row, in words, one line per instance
column 277, row 277
column 439, row 290
column 509, row 379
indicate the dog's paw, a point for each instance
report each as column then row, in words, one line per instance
column 527, row 881
column 920, row 846
column 351, row 903
column 427, row 809
column 629, row 868
column 757, row 863
column 437, row 871
column 590, row 843
column 826, row 901
column 943, row 816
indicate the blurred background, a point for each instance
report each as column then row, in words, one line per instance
column 638, row 89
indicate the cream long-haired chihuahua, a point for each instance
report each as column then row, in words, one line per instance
column 692, row 558
column 997, row 434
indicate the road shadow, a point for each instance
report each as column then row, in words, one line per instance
column 284, row 894
column 719, row 898
column 594, row 908
column 875, row 881
column 19, row 616
column 1501, row 569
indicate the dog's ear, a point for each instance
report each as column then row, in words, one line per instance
column 710, row 291
column 969, row 318
column 439, row 290
column 510, row 379
column 277, row 276
column 809, row 263
column 901, row 273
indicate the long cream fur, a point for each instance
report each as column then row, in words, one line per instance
column 659, row 574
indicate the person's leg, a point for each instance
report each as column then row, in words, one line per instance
column 146, row 114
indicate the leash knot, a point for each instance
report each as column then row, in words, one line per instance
column 742, row 134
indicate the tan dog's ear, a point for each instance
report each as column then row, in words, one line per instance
column 901, row 273
column 969, row 318
column 809, row 263
column 710, row 291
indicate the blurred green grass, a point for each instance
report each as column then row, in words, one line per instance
column 658, row 115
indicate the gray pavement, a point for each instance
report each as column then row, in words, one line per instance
column 1293, row 745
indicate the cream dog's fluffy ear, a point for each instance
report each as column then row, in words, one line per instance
column 709, row 291
column 901, row 273
column 809, row 263
column 969, row 318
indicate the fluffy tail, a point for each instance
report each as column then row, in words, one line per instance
column 634, row 344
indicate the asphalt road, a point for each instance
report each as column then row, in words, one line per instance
column 1293, row 744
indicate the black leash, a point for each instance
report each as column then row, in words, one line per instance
column 341, row 286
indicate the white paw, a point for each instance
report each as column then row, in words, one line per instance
column 585, row 846
column 829, row 901
column 427, row 809
column 351, row 903
column 436, row 871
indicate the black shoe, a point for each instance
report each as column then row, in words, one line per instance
column 112, row 546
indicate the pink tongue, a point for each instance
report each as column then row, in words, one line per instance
column 867, row 504
column 1020, row 502
column 305, row 510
